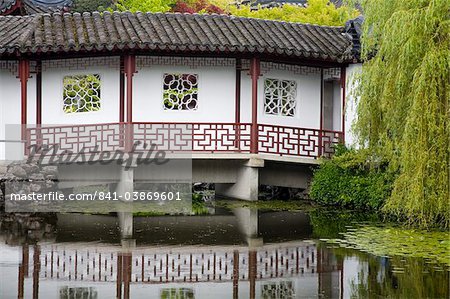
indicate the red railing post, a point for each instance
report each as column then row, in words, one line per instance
column 255, row 73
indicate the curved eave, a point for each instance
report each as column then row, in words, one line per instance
column 198, row 49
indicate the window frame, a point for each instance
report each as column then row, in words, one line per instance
column 180, row 73
column 279, row 104
column 83, row 74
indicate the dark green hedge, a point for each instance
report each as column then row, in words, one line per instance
column 352, row 180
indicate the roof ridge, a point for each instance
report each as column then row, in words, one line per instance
column 172, row 32
column 183, row 14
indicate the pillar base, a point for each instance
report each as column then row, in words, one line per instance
column 247, row 182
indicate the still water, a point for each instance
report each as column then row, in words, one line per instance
column 231, row 253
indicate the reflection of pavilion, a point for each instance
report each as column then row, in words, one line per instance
column 276, row 270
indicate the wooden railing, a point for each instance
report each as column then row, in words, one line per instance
column 180, row 137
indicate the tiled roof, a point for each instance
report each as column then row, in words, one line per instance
column 34, row 6
column 171, row 32
column 354, row 29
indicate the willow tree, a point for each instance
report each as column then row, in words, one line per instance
column 403, row 106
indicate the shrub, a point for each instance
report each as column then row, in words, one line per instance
column 319, row 12
column 90, row 6
column 353, row 180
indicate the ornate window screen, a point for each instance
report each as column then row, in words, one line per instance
column 81, row 93
column 280, row 97
column 180, row 91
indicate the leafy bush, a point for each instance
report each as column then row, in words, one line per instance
column 90, row 6
column 319, row 12
column 144, row 5
column 352, row 179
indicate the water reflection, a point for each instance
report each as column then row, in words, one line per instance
column 242, row 253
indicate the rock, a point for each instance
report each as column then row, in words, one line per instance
column 37, row 177
column 3, row 169
column 35, row 187
column 18, row 171
column 50, row 170
column 30, row 168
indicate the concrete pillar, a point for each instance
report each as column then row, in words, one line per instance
column 248, row 225
column 124, row 186
column 247, row 183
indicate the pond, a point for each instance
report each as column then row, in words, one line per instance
column 234, row 251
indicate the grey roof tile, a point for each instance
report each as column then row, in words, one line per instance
column 175, row 32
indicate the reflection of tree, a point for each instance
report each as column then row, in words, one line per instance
column 328, row 224
column 77, row 292
column 177, row 293
column 400, row 278
column 280, row 289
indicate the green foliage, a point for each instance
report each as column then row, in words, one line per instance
column 319, row 12
column 329, row 223
column 395, row 241
column 145, row 5
column 404, row 103
column 81, row 93
column 353, row 180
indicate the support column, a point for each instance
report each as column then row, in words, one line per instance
column 320, row 149
column 248, row 225
column 124, row 186
column 255, row 72
column 343, row 83
column 247, row 182
column 252, row 272
column 130, row 70
column 235, row 274
column 237, row 116
column 122, row 90
column 24, row 74
column 36, row 270
column 38, row 92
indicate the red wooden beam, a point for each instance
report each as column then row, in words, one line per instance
column 24, row 74
column 130, row 70
column 255, row 72
column 38, row 92
column 343, row 83
column 237, row 105
column 122, row 91
column 320, row 149
column 238, row 91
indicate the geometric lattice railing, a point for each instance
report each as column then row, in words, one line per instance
column 183, row 137
column 293, row 141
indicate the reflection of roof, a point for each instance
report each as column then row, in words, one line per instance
column 172, row 32
column 33, row 6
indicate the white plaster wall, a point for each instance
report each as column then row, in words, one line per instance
column 216, row 95
column 9, row 108
column 337, row 106
column 351, row 103
column 52, row 96
column 308, row 100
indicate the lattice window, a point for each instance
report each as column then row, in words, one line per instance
column 81, row 93
column 180, row 92
column 280, row 97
